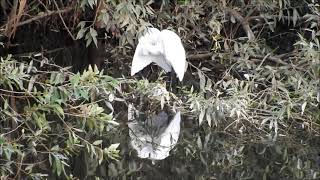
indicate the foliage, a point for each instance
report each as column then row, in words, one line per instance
column 250, row 98
column 49, row 116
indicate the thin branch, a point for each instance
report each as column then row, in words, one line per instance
column 44, row 52
column 12, row 20
column 273, row 59
column 44, row 15
column 71, row 35
column 199, row 56
column 194, row 57
column 43, row 5
column 302, row 19
column 243, row 21
column 96, row 14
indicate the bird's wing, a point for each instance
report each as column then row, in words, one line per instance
column 161, row 61
column 153, row 31
column 149, row 49
column 174, row 52
column 139, row 60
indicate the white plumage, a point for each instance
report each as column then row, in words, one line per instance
column 163, row 48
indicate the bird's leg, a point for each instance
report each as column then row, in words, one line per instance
column 161, row 7
column 173, row 82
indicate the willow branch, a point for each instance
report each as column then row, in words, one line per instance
column 71, row 35
column 199, row 56
column 44, row 15
column 243, row 22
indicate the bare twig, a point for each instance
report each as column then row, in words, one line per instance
column 71, row 35
column 19, row 165
column 273, row 59
column 12, row 20
column 43, row 16
column 205, row 55
column 305, row 18
column 43, row 5
column 44, row 52
column 199, row 56
column 96, row 14
column 22, row 4
column 243, row 21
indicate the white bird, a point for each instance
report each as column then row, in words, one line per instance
column 163, row 48
column 154, row 140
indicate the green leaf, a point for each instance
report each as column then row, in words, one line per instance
column 81, row 24
column 58, row 165
column 295, row 16
column 113, row 123
column 97, row 142
column 6, row 105
column 201, row 116
column 30, row 66
column 303, row 107
column 94, row 35
column 2, row 140
column 21, row 68
column 55, row 148
column 52, row 77
column 100, row 155
column 92, row 3
column 113, row 147
column 88, row 38
column 58, row 109
column 84, row 94
column 199, row 143
column 81, row 33
column 50, row 159
column 105, row 18
column 202, row 80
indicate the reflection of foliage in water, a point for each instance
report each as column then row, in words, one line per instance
column 153, row 134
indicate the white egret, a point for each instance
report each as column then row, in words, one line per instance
column 162, row 48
